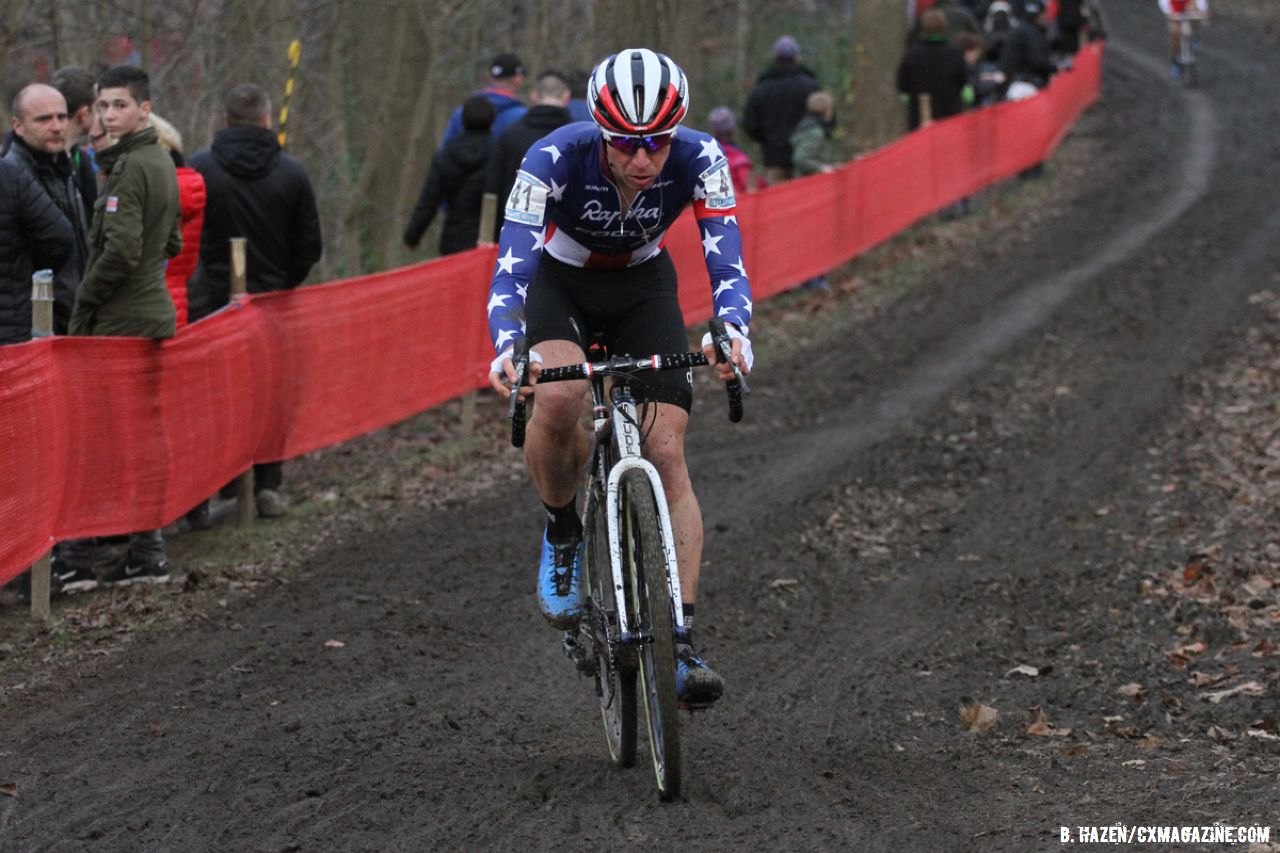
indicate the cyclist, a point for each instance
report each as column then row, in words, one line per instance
column 581, row 251
column 1172, row 9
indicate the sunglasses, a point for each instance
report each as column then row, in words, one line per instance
column 631, row 144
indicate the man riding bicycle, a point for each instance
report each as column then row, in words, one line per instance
column 1173, row 9
column 580, row 253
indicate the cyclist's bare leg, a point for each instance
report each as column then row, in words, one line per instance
column 664, row 447
column 1175, row 39
column 557, row 441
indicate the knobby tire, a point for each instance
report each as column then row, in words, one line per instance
column 615, row 670
column 651, row 597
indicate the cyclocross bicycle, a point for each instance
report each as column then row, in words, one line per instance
column 1189, row 47
column 629, row 560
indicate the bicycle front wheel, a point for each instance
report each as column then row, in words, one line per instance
column 615, row 669
column 651, row 597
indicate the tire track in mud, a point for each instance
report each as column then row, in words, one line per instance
column 791, row 477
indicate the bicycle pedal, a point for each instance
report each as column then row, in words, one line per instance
column 579, row 654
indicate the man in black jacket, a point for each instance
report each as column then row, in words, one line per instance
column 455, row 182
column 933, row 67
column 79, row 86
column 38, row 145
column 776, row 105
column 34, row 235
column 550, row 110
column 256, row 191
column 1027, row 58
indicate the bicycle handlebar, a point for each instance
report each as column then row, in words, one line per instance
column 626, row 366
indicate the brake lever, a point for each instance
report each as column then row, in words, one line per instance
column 516, row 407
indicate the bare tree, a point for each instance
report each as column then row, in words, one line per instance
column 378, row 78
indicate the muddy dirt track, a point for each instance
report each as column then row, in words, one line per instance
column 922, row 498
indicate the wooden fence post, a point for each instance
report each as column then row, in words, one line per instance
column 926, row 109
column 41, row 327
column 246, row 506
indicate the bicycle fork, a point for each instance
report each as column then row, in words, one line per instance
column 627, row 433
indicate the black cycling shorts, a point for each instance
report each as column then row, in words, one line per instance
column 634, row 310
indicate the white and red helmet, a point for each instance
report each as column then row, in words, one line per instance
column 637, row 92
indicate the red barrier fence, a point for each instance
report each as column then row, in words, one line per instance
column 110, row 435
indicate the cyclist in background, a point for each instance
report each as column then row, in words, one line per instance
column 581, row 251
column 1173, row 8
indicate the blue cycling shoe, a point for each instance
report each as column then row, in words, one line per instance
column 560, row 594
column 697, row 685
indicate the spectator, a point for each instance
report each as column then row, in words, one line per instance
column 811, row 150
column 456, row 179
column 996, row 26
column 578, row 108
column 135, row 228
column 721, row 124
column 1069, row 21
column 191, row 197
column 958, row 18
column 33, row 235
column 550, row 110
column 984, row 76
column 78, row 86
column 811, row 140
column 1094, row 28
column 933, row 67
column 776, row 105
column 1026, row 61
column 253, row 190
column 38, row 143
column 506, row 76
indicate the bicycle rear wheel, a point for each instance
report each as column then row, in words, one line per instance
column 615, row 672
column 651, row 597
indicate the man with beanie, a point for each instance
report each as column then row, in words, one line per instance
column 776, row 105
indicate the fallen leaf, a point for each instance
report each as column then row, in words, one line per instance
column 334, row 644
column 977, row 717
column 1204, row 679
column 1040, row 724
column 9, row 789
column 1133, row 690
column 783, row 583
column 1266, row 724
column 1028, row 670
column 1220, row 734
column 1265, row 649
column 1248, row 688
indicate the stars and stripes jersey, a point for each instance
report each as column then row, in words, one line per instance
column 564, row 203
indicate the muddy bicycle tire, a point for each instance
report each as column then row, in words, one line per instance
column 615, row 673
column 644, row 559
